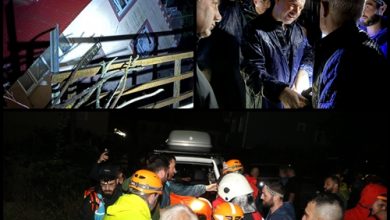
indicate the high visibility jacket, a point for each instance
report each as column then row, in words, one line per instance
column 128, row 207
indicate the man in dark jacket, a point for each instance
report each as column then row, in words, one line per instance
column 349, row 70
column 272, row 197
column 277, row 57
column 207, row 15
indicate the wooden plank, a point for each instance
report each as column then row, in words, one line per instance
column 170, row 101
column 93, row 70
column 176, row 84
column 153, row 84
column 160, row 82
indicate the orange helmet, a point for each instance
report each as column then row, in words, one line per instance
column 232, row 166
column 228, row 211
column 145, row 182
column 201, row 207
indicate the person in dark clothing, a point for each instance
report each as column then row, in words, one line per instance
column 349, row 69
column 292, row 190
column 277, row 57
column 272, row 197
column 221, row 53
column 97, row 199
column 374, row 22
column 207, row 15
column 102, row 161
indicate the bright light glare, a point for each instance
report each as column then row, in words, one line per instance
column 119, row 132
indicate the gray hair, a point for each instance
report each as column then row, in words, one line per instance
column 178, row 212
column 346, row 10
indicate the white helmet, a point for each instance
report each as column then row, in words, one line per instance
column 233, row 185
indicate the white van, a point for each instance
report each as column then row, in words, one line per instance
column 195, row 164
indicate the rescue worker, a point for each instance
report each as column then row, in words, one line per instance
column 368, row 196
column 145, row 187
column 97, row 199
column 228, row 211
column 235, row 165
column 379, row 208
column 234, row 188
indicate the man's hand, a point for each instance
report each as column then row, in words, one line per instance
column 291, row 99
column 211, row 187
column 103, row 157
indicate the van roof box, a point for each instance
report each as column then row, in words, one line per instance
column 185, row 140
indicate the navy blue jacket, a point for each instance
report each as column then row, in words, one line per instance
column 285, row 212
column 273, row 56
column 349, row 71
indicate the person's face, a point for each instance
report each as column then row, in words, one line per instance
column 330, row 186
column 268, row 199
column 108, row 187
column 379, row 207
column 172, row 169
column 207, row 15
column 309, row 211
column 261, row 6
column 371, row 13
column 288, row 10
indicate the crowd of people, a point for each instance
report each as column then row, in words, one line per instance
column 260, row 56
column 151, row 192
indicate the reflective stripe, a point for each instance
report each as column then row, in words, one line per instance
column 234, row 211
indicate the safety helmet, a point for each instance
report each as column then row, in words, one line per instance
column 228, row 211
column 202, row 208
column 233, row 185
column 232, row 166
column 145, row 182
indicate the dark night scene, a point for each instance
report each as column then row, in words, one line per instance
column 56, row 162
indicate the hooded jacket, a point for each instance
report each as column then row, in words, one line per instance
column 367, row 197
column 128, row 207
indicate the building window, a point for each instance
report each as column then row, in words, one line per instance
column 121, row 7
